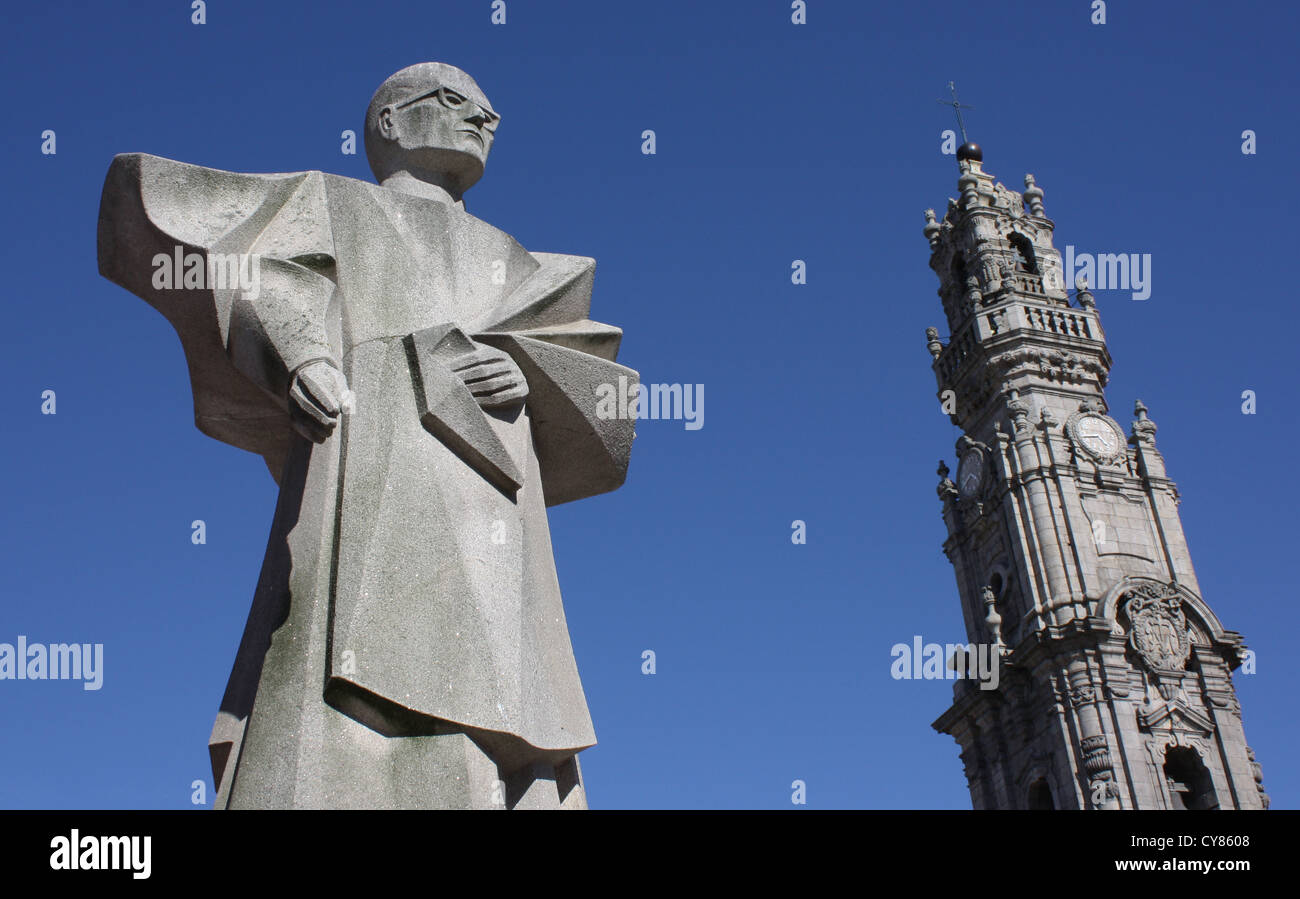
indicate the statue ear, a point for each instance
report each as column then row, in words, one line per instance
column 386, row 127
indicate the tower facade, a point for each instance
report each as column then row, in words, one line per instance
column 1114, row 686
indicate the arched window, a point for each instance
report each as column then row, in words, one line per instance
column 1190, row 784
column 957, row 273
column 1040, row 797
column 1025, row 259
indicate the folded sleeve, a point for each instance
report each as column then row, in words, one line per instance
column 566, row 358
column 248, row 286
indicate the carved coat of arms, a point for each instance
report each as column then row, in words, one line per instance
column 1158, row 627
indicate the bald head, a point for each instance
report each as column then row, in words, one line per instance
column 433, row 121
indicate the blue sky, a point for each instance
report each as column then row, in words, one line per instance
column 775, row 142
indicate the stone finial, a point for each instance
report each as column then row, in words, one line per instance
column 1019, row 410
column 973, row 294
column 947, row 489
column 931, row 229
column 932, row 343
column 968, row 184
column 992, row 618
column 1144, row 429
column 1083, row 294
column 1033, row 196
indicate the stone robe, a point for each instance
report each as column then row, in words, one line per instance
column 409, row 589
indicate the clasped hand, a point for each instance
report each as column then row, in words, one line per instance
column 319, row 392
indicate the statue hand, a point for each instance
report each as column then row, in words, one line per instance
column 318, row 394
column 492, row 376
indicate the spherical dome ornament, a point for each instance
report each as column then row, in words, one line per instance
column 970, row 150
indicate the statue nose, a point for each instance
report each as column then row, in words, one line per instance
column 478, row 117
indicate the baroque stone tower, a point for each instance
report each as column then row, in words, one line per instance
column 1114, row 687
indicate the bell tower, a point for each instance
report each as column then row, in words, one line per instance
column 1114, row 686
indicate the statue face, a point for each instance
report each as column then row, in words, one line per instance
column 447, row 127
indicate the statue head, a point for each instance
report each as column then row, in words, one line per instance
column 432, row 120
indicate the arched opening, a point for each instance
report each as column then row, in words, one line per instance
column 957, row 273
column 1040, row 797
column 1190, row 784
column 1025, row 259
column 953, row 291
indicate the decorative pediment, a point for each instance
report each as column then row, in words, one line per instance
column 1008, row 201
column 1175, row 715
column 1025, row 226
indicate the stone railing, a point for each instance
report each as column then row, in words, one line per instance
column 1059, row 320
column 1030, row 284
column 1064, row 321
column 961, row 345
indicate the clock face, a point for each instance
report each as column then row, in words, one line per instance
column 970, row 473
column 1097, row 436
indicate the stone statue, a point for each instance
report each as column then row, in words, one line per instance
column 422, row 388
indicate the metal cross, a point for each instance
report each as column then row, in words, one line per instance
column 957, row 108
